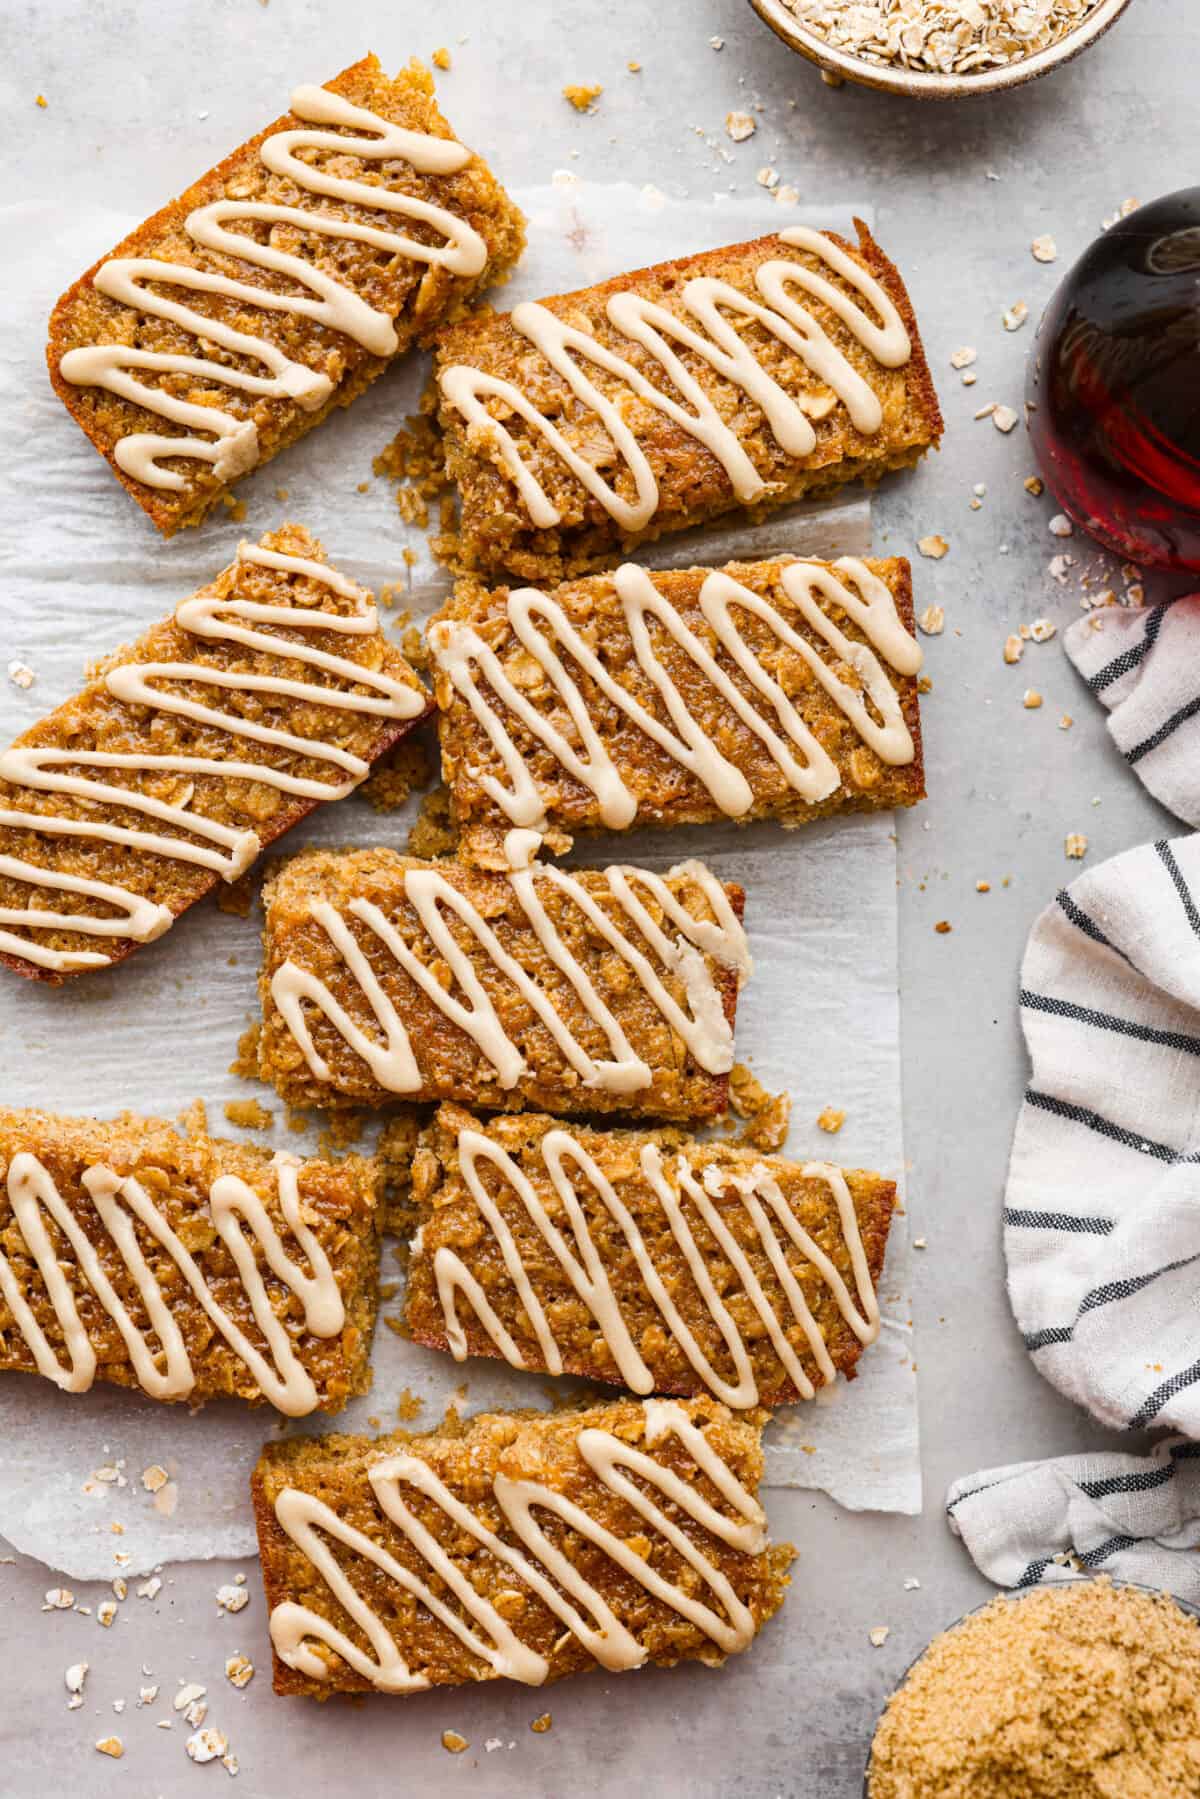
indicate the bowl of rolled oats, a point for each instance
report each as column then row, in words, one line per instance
column 938, row 49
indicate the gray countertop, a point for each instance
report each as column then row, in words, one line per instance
column 960, row 191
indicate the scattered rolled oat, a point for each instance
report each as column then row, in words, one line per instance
column 154, row 1477
column 880, row 1635
column 120, row 1587
column 831, row 1119
column 147, row 1695
column 454, row 1743
column 933, row 621
column 239, row 1670
column 934, row 546
column 1035, row 485
column 920, row 1243
column 1065, row 722
column 1044, row 248
column 1060, row 525
column 1042, row 630
column 232, row 1599
column 582, row 97
column 75, row 1676
column 1004, row 419
column 716, row 43
column 912, row 1585
column 541, row 1724
column 111, row 1746
column 1016, row 315
column 962, row 359
column 1014, row 649
column 983, row 886
column 188, row 1695
column 1031, row 699
column 1076, row 846
column 767, row 177
column 787, row 195
column 59, row 1599
column 20, row 674
column 942, row 37
column 740, row 126
column 150, row 1589
column 106, row 1611
column 206, row 1745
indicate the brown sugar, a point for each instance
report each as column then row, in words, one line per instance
column 394, row 298
column 1081, row 1691
column 561, row 969
column 681, row 481
column 689, row 1240
column 648, row 1510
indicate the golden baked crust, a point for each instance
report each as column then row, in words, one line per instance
column 450, row 1063
column 666, row 792
column 178, row 1174
column 414, row 295
column 541, row 1447
column 495, row 532
column 451, row 1221
column 96, row 721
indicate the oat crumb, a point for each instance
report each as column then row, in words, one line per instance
column 740, row 126
column 943, row 927
column 934, row 546
column 111, row 1746
column 232, row 1599
column 20, row 674
column 1016, row 316
column 207, row 1745
column 1065, row 722
column 1076, row 846
column 879, row 1635
column 154, row 1477
column 441, row 58
column 1004, row 419
column 962, row 359
column 1042, row 630
column 454, row 1743
column 248, row 1115
column 933, row 621
column 983, row 886
column 1035, row 485
column 1014, row 648
column 831, row 1119
column 1044, row 248
column 1031, row 699
column 541, row 1724
column 581, row 96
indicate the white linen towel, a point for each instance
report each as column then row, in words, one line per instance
column 1136, row 1517
column 1144, row 666
column 1102, row 1207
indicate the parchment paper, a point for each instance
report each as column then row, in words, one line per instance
column 86, row 572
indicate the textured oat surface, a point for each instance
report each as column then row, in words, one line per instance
column 415, row 295
column 666, row 792
column 177, row 1173
column 529, row 1447
column 450, row 1063
column 495, row 532
column 451, row 1219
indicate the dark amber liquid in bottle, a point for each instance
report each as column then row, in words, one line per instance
column 1115, row 386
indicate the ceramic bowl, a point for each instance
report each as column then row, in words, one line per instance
column 919, row 84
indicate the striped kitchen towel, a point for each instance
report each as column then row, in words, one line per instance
column 1102, row 1207
column 1144, row 665
column 1136, row 1517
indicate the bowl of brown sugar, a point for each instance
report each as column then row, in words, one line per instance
column 1086, row 1690
column 938, row 49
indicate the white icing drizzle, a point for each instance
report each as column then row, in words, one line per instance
column 205, row 843
column 703, row 1026
column 138, row 282
column 123, row 1203
column 464, row 656
column 584, row 1269
column 558, row 1583
column 719, row 343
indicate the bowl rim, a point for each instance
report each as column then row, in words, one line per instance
column 926, row 84
column 1015, row 1595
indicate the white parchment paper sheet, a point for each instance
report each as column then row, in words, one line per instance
column 86, row 572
